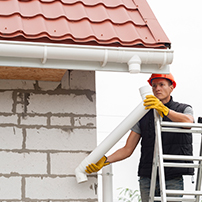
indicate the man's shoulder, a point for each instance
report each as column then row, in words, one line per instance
column 180, row 105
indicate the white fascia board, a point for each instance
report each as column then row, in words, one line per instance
column 91, row 58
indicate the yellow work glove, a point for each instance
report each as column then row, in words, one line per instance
column 96, row 167
column 151, row 102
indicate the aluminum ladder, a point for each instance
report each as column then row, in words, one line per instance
column 159, row 157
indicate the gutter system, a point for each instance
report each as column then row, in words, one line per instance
column 113, row 137
column 91, row 58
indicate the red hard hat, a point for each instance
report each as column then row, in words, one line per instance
column 162, row 76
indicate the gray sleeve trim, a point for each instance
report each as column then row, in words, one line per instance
column 188, row 110
column 136, row 128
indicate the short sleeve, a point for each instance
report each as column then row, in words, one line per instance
column 188, row 110
column 136, row 128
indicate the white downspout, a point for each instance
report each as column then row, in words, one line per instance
column 113, row 137
column 134, row 64
column 107, row 184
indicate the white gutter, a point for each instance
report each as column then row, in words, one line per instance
column 97, row 58
column 113, row 137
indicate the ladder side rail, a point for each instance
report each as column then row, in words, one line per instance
column 198, row 180
column 154, row 171
column 160, row 157
column 199, row 173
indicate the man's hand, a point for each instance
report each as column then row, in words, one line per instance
column 96, row 167
column 151, row 102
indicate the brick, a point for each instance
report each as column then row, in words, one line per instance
column 60, row 121
column 58, row 139
column 11, row 138
column 82, row 80
column 6, row 102
column 33, row 120
column 65, row 163
column 10, row 188
column 85, row 121
column 20, row 108
column 60, row 188
column 78, row 104
column 9, row 119
column 23, row 163
column 65, row 80
column 48, row 85
column 16, row 84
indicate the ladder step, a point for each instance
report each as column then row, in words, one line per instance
column 182, row 157
column 175, row 199
column 181, row 124
column 182, row 192
column 180, row 130
column 181, row 165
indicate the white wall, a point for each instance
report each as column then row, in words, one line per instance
column 45, row 132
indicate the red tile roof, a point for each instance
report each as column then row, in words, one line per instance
column 128, row 23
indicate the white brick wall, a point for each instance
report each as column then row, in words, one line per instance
column 45, row 132
column 44, row 103
column 59, row 139
column 81, row 80
column 84, row 121
column 11, row 138
column 65, row 163
column 60, row 121
column 13, row 119
column 6, row 101
column 23, row 163
column 59, row 188
column 18, row 84
column 10, row 188
column 33, row 120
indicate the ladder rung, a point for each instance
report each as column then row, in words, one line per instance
column 175, row 199
column 180, row 124
column 182, row 192
column 182, row 157
column 181, row 165
column 181, row 130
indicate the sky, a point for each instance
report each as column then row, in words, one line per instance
column 118, row 93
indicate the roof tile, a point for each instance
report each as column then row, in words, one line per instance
column 101, row 22
column 107, row 3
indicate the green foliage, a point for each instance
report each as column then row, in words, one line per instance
column 128, row 195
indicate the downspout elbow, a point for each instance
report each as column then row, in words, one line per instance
column 134, row 64
column 81, row 176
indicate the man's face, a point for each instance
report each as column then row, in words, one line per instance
column 162, row 89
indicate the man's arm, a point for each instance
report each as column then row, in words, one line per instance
column 120, row 154
column 127, row 150
column 152, row 102
column 180, row 117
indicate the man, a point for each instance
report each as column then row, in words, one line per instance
column 144, row 130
